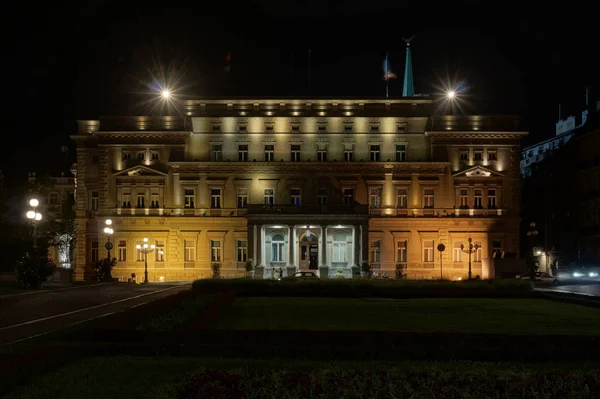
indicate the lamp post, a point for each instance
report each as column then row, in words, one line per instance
column 34, row 216
column 441, row 248
column 145, row 249
column 532, row 233
column 108, row 231
column 470, row 249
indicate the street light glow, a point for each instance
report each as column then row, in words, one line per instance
column 108, row 230
column 108, row 222
column 38, row 216
column 451, row 94
column 31, row 215
column 34, row 202
column 166, row 94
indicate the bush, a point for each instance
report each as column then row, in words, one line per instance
column 104, row 269
column 35, row 269
column 216, row 269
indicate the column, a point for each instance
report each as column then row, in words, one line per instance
column 363, row 242
column 291, row 244
column 251, row 236
column 296, row 259
column 323, row 249
column 354, row 246
column 259, row 245
column 388, row 192
column 177, row 204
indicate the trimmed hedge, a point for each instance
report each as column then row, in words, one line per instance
column 361, row 288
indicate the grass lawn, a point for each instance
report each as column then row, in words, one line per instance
column 506, row 316
column 159, row 377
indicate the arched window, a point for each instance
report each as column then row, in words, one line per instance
column 277, row 243
column 339, row 247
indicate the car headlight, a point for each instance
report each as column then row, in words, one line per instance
column 577, row 274
column 593, row 274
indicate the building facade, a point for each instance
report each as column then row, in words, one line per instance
column 298, row 184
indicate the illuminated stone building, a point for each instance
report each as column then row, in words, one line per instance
column 298, row 184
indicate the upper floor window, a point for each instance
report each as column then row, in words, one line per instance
column 154, row 200
column 216, row 152
column 216, row 198
column 322, row 154
column 401, row 197
column 348, row 196
column 322, row 127
column 478, row 199
column 464, row 198
column 400, row 152
column 374, row 127
column 322, row 196
column 242, row 198
column 348, row 127
column 141, row 200
column 216, row 127
column 428, row 198
column 295, row 196
column 125, row 156
column 95, row 159
column 492, row 198
column 478, row 155
column 464, row 155
column 269, row 127
column 348, row 155
column 94, row 200
column 189, row 197
column 492, row 155
column 375, row 154
column 242, row 127
column 295, row 127
column 269, row 196
column 126, row 200
column 269, row 152
column 243, row 152
column 375, row 197
column 154, row 155
column 141, row 155
column 295, row 153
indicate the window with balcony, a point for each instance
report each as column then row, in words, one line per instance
column 464, row 155
column 95, row 251
column 126, row 200
column 478, row 155
column 401, row 198
column 375, row 251
column 242, row 198
column 242, row 250
column 322, row 196
column 269, row 196
column 94, row 201
column 154, row 200
column 141, row 200
column 295, row 153
column 243, row 152
column 269, row 152
column 457, row 252
column 428, row 198
column 374, row 153
column 215, row 250
column 159, row 251
column 189, row 250
column 400, row 152
column 428, row 251
column 216, row 152
column 492, row 204
column 189, row 198
column 348, row 196
column 322, row 155
column 401, row 251
column 339, row 247
column 492, row 155
column 277, row 248
column 478, row 199
column 375, row 197
column 122, row 251
column 348, row 155
column 216, row 198
column 295, row 196
column 464, row 198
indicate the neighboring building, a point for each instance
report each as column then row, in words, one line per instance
column 589, row 184
column 303, row 183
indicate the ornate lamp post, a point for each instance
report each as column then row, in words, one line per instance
column 34, row 216
column 470, row 249
column 145, row 250
column 108, row 231
column 441, row 248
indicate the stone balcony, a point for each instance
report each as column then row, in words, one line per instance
column 436, row 212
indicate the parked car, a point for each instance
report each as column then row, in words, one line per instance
column 301, row 276
column 539, row 276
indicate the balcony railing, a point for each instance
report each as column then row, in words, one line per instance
column 357, row 209
column 436, row 212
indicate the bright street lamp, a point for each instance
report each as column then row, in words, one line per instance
column 34, row 216
column 145, row 250
column 451, row 94
column 166, row 94
column 471, row 249
column 108, row 231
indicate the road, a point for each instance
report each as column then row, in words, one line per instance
column 590, row 289
column 28, row 315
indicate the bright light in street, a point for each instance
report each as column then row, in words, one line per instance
column 166, row 94
column 38, row 216
column 31, row 215
column 108, row 222
column 34, row 202
column 451, row 94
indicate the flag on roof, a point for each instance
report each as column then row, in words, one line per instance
column 387, row 70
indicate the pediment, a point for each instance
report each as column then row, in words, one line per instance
column 139, row 170
column 477, row 171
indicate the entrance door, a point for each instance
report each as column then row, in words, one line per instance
column 309, row 252
column 314, row 257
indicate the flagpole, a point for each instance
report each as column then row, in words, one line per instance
column 309, row 69
column 387, row 87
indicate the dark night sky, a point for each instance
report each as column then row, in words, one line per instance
column 74, row 63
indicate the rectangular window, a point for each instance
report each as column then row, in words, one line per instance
column 497, row 248
column 216, row 127
column 464, row 155
column 400, row 152
column 269, row 152
column 348, row 155
column 295, row 127
column 189, row 198
column 492, row 198
column 126, row 200
column 322, row 196
column 295, row 153
column 457, row 252
column 478, row 199
column 478, row 253
column 277, row 251
column 141, row 200
column 428, row 198
column 478, row 155
column 216, row 198
column 125, row 156
column 95, row 159
column 348, row 196
column 141, row 155
column 154, row 155
column 374, row 128
column 154, row 203
column 269, row 127
column 375, row 197
column 243, row 152
column 295, row 196
column 375, row 251
column 242, row 127
column 242, row 251
column 52, row 199
column 269, row 196
column 374, row 153
column 95, row 251
column 339, row 250
column 401, row 198
column 242, row 198
column 122, row 248
column 94, row 200
column 428, row 251
column 160, row 251
column 464, row 198
column 401, row 251
column 215, row 250
column 322, row 155
column 216, row 152
column 322, row 127
column 492, row 155
column 189, row 253
column 348, row 127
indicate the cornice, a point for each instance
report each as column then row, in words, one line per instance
column 477, row 134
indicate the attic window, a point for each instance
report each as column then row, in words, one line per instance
column 295, row 127
column 216, row 127
column 348, row 127
column 242, row 127
column 374, row 127
column 322, row 127
column 269, row 126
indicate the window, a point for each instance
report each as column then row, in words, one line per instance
column 339, row 247
column 242, row 198
column 348, row 127
column 322, row 127
column 478, row 197
column 95, row 159
column 374, row 127
column 141, row 200
column 154, row 200
column 269, row 152
column 428, row 198
column 492, row 198
column 215, row 250
column 125, row 156
column 464, row 198
column 215, row 197
column 375, row 251
column 457, row 252
column 492, row 155
column 189, row 253
column 126, row 200
column 189, row 198
column 348, row 155
column 160, row 251
column 400, row 127
column 401, row 251
column 375, row 197
column 348, row 196
column 53, row 199
column 295, row 196
column 428, row 251
column 243, row 152
column 277, row 243
column 401, row 198
column 154, row 155
column 242, row 251
column 216, row 127
column 94, row 200
column 269, row 196
column 141, row 155
column 322, row 155
column 295, row 127
column 400, row 152
column 496, row 248
column 269, row 127
column 216, row 152
column 242, row 127
column 295, row 153
column 95, row 251
column 322, row 196
column 122, row 248
column 477, row 254
column 139, row 253
column 478, row 155
column 375, row 153
column 464, row 155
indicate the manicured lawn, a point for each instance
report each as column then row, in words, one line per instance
column 506, row 316
column 167, row 377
